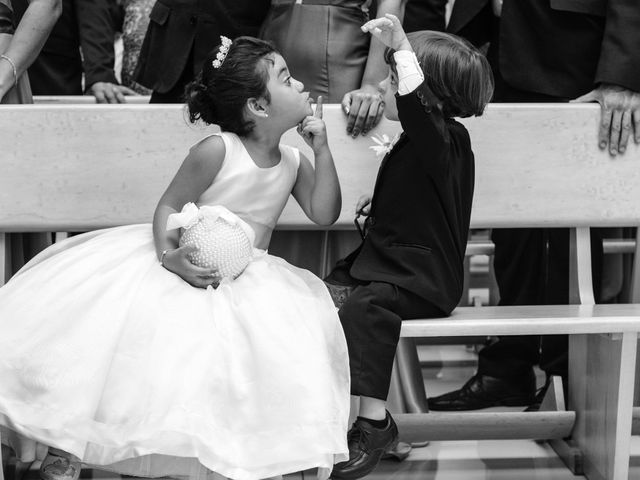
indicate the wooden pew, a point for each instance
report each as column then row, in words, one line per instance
column 83, row 99
column 75, row 168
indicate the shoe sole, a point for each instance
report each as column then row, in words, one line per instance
column 506, row 402
column 360, row 474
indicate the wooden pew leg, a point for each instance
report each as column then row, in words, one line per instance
column 636, row 390
column 410, row 375
column 634, row 297
column 3, row 457
column 565, row 448
column 4, row 255
column 601, row 380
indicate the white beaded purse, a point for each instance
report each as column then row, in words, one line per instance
column 224, row 240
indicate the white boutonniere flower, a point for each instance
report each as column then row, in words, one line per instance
column 384, row 144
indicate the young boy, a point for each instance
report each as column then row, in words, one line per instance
column 410, row 263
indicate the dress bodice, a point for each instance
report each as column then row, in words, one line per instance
column 257, row 195
column 6, row 17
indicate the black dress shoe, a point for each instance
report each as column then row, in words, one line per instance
column 367, row 444
column 483, row 391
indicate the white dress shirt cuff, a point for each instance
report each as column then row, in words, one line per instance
column 410, row 74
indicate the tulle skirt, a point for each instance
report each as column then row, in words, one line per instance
column 108, row 356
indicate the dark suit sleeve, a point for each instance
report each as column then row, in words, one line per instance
column 97, row 33
column 618, row 62
column 425, row 127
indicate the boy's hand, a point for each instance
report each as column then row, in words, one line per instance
column 313, row 129
column 389, row 31
column 363, row 207
column 176, row 261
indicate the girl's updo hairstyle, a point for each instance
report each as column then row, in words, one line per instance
column 455, row 72
column 219, row 95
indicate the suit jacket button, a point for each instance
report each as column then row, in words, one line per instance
column 193, row 20
column 419, row 94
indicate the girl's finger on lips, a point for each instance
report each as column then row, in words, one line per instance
column 319, row 103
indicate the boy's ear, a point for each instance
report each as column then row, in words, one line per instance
column 257, row 107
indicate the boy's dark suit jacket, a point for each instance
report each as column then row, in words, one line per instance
column 420, row 210
column 89, row 25
column 182, row 32
column 575, row 44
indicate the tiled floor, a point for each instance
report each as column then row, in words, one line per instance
column 468, row 460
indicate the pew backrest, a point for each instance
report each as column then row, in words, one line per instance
column 80, row 167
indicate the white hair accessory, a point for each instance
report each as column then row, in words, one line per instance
column 225, row 43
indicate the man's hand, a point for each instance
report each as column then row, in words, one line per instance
column 364, row 108
column 107, row 92
column 619, row 118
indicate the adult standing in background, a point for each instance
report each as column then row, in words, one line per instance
column 18, row 49
column 328, row 52
column 78, row 57
column 547, row 51
column 134, row 28
column 180, row 35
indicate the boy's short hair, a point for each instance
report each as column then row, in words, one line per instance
column 455, row 72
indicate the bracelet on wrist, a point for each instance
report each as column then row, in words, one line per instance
column 13, row 68
column 162, row 255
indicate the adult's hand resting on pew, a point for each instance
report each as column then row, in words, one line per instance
column 364, row 108
column 620, row 116
column 107, row 92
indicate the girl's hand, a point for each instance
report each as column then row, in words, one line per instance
column 389, row 31
column 363, row 207
column 176, row 261
column 313, row 130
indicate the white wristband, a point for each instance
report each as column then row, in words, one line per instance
column 410, row 74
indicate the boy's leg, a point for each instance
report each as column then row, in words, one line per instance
column 371, row 318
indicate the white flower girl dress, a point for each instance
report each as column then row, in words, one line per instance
column 107, row 355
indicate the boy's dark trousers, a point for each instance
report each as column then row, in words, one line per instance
column 371, row 317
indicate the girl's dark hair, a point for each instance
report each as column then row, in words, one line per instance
column 456, row 73
column 219, row 95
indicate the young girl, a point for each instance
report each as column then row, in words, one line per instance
column 115, row 348
column 409, row 264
